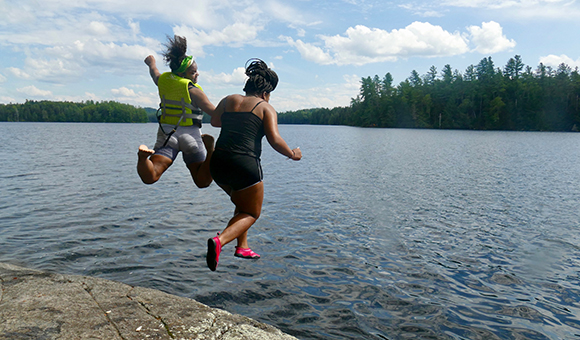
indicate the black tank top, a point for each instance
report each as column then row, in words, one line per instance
column 241, row 133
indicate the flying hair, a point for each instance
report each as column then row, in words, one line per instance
column 175, row 53
column 261, row 78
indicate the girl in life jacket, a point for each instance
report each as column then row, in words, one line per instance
column 180, row 113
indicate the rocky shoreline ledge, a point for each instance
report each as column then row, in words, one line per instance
column 40, row 305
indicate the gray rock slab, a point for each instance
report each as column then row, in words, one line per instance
column 41, row 305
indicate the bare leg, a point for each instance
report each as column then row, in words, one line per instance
column 200, row 171
column 242, row 239
column 150, row 167
column 248, row 208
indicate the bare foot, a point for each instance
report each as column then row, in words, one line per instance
column 208, row 141
column 144, row 151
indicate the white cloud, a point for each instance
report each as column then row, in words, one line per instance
column 352, row 81
column 431, row 14
column 15, row 12
column 489, row 38
column 2, row 78
column 69, row 63
column 100, row 53
column 126, row 95
column 329, row 95
column 54, row 70
column 70, row 39
column 237, row 77
column 495, row 4
column 500, row 4
column 34, row 91
column 423, row 10
column 508, row 9
column 97, row 28
column 19, row 73
column 556, row 60
column 135, row 27
column 310, row 52
column 283, row 12
column 123, row 92
column 91, row 96
column 300, row 32
column 235, row 35
column 63, row 25
column 362, row 45
column 552, row 9
column 142, row 99
column 6, row 99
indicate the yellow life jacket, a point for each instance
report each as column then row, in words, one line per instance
column 176, row 102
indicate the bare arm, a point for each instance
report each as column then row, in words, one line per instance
column 201, row 100
column 216, row 119
column 273, row 135
column 153, row 71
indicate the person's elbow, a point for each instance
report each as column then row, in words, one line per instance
column 215, row 122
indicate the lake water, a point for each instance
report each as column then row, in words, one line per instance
column 375, row 234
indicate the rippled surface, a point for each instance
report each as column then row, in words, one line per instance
column 375, row 234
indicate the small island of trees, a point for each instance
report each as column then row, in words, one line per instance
column 484, row 97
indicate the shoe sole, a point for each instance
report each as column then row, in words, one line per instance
column 247, row 257
column 211, row 255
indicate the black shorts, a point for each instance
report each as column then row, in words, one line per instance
column 235, row 170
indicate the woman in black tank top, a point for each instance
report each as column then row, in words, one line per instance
column 235, row 164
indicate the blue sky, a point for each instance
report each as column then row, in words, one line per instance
column 94, row 49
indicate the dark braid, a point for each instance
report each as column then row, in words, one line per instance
column 176, row 49
column 261, row 77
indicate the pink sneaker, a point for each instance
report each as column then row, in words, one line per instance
column 214, row 248
column 246, row 253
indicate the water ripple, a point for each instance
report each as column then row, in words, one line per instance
column 400, row 234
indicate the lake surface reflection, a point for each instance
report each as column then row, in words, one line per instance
column 375, row 234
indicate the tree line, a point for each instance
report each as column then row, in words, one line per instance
column 89, row 111
column 484, row 97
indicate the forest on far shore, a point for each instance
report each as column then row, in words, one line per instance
column 484, row 97
column 88, row 112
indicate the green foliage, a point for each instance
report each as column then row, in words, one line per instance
column 151, row 114
column 89, row 111
column 483, row 97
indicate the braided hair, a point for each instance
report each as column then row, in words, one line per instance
column 176, row 49
column 260, row 77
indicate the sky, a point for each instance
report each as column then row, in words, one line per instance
column 94, row 49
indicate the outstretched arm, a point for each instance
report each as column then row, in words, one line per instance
column 273, row 135
column 153, row 71
column 201, row 100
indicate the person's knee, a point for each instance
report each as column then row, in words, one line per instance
column 149, row 179
column 252, row 214
column 202, row 183
column 255, row 214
